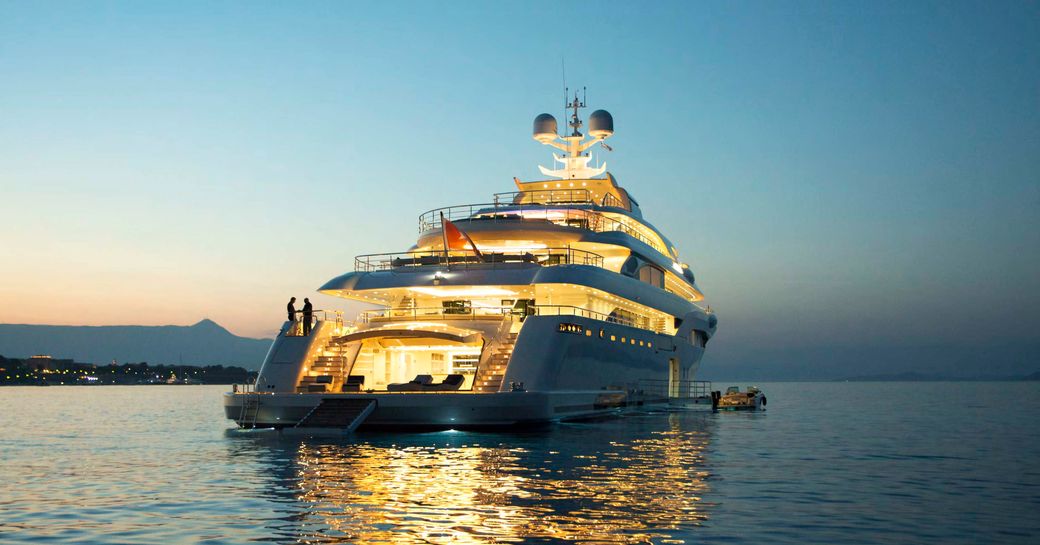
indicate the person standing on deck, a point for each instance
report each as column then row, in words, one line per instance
column 307, row 310
column 291, row 309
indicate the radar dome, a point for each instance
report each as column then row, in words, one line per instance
column 545, row 128
column 601, row 124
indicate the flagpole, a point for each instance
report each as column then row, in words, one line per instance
column 444, row 236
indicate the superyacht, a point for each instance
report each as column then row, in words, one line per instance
column 554, row 301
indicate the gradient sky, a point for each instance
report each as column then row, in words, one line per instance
column 843, row 177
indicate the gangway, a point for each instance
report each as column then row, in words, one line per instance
column 342, row 415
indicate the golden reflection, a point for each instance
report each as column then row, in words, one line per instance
column 586, row 489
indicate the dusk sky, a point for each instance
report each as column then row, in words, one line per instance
column 848, row 181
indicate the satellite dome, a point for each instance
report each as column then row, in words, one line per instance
column 601, row 124
column 545, row 128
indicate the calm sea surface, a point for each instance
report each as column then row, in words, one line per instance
column 827, row 463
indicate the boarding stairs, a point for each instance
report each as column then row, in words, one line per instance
column 326, row 372
column 489, row 376
column 344, row 414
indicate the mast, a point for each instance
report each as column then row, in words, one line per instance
column 575, row 145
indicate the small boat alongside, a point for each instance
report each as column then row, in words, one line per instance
column 734, row 399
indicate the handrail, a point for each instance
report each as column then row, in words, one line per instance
column 296, row 327
column 571, row 310
column 560, row 214
column 545, row 196
column 426, row 313
column 538, row 256
column 556, row 196
column 680, row 389
column 323, row 315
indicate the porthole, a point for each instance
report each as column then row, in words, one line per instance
column 622, row 340
column 613, row 338
column 633, row 341
column 601, row 333
column 588, row 332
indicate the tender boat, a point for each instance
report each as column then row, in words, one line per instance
column 751, row 399
column 555, row 301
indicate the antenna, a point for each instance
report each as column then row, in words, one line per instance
column 563, row 68
column 575, row 121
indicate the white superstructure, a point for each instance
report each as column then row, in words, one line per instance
column 570, row 306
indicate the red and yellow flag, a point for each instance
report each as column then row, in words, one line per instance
column 457, row 239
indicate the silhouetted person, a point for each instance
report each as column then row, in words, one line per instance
column 291, row 309
column 307, row 310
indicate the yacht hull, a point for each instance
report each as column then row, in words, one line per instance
column 434, row 410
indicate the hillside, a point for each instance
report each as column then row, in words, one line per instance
column 205, row 343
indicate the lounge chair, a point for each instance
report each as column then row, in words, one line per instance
column 450, row 382
column 420, row 382
column 354, row 383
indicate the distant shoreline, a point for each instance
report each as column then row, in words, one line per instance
column 887, row 378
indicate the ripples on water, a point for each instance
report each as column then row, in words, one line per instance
column 828, row 463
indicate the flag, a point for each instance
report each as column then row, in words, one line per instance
column 457, row 239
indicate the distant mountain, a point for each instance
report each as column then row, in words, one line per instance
column 204, row 343
column 909, row 376
column 922, row 377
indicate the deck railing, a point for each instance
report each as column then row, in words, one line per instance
column 540, row 256
column 558, row 214
column 296, row 327
column 555, row 196
column 698, row 390
column 569, row 310
column 431, row 313
column 469, row 313
column 545, row 196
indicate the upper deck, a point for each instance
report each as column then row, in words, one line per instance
column 578, row 208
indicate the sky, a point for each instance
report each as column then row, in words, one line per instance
column 855, row 184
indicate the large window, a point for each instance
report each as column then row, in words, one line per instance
column 652, row 275
column 383, row 362
column 457, row 307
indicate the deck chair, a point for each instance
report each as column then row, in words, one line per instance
column 418, row 383
column 354, row 383
column 450, row 382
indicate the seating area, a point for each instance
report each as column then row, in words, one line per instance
column 354, row 383
column 416, row 384
column 424, row 383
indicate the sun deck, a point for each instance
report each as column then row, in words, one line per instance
column 566, row 215
column 545, row 257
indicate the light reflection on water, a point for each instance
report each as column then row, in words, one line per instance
column 622, row 486
column 951, row 463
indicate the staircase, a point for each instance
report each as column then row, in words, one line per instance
column 340, row 413
column 489, row 376
column 326, row 373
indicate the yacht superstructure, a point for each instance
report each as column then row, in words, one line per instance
column 557, row 300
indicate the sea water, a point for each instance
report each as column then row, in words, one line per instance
column 826, row 463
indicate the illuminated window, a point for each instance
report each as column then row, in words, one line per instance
column 588, row 332
column 613, row 338
column 571, row 328
column 649, row 344
column 640, row 343
column 622, row 339
column 633, row 341
column 601, row 333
